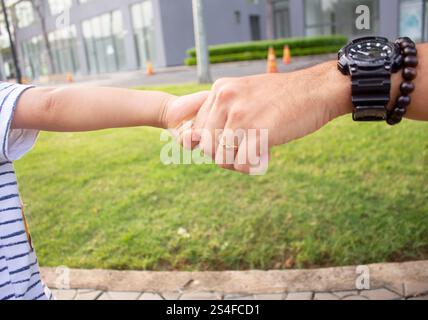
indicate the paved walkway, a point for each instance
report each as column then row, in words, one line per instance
column 186, row 74
column 394, row 281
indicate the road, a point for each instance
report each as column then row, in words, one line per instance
column 184, row 74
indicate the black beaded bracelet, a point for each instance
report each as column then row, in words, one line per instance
column 410, row 62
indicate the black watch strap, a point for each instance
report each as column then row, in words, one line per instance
column 370, row 94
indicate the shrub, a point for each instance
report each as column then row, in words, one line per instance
column 258, row 49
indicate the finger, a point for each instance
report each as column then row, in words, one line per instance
column 183, row 135
column 203, row 114
column 253, row 154
column 202, row 117
column 262, row 167
column 213, row 129
column 187, row 107
column 227, row 149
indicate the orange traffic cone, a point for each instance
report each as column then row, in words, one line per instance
column 286, row 58
column 272, row 66
column 70, row 77
column 149, row 70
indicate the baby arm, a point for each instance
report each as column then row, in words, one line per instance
column 87, row 109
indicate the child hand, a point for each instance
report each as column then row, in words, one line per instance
column 178, row 110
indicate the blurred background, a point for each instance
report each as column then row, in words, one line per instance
column 85, row 37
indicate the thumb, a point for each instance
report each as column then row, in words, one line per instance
column 186, row 108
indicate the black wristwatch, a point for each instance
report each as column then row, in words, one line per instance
column 370, row 61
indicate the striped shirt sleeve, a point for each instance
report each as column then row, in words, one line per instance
column 14, row 143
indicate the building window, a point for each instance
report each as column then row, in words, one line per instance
column 144, row 35
column 24, row 14
column 59, row 6
column 63, row 46
column 34, row 59
column 413, row 19
column 104, row 43
column 237, row 14
column 325, row 17
column 255, row 29
column 281, row 18
column 63, row 43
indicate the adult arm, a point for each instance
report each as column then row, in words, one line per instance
column 290, row 106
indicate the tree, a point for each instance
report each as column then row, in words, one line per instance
column 12, row 44
column 39, row 7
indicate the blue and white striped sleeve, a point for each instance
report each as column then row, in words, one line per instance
column 14, row 143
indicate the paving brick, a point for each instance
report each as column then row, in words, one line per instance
column 344, row 294
column 150, row 296
column 414, row 289
column 325, row 296
column 200, row 296
column 398, row 288
column 355, row 298
column 171, row 295
column 273, row 296
column 419, row 298
column 104, row 296
column 380, row 294
column 116, row 295
column 64, row 294
column 300, row 296
column 239, row 297
column 411, row 284
column 87, row 294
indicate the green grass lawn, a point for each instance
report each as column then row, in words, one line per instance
column 349, row 194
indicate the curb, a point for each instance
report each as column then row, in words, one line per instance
column 405, row 279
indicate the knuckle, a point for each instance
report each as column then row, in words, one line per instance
column 226, row 93
column 236, row 114
column 220, row 83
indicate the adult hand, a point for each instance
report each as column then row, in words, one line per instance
column 289, row 106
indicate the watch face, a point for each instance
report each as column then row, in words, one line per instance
column 371, row 51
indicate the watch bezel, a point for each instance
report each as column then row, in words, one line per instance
column 347, row 64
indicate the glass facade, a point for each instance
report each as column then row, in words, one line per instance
column 144, row 35
column 24, row 14
column 104, row 43
column 100, row 46
column 34, row 63
column 325, row 17
column 59, row 6
column 63, row 44
column 413, row 19
column 281, row 19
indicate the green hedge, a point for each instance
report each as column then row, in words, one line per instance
column 257, row 50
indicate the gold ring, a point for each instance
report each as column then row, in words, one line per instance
column 229, row 146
